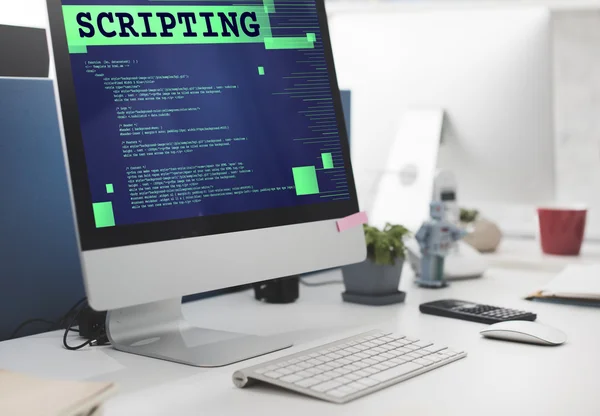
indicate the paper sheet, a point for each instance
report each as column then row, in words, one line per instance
column 576, row 281
column 25, row 395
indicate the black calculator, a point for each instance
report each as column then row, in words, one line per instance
column 469, row 311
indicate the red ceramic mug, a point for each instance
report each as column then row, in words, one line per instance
column 562, row 229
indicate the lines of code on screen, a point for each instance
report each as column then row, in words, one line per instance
column 182, row 126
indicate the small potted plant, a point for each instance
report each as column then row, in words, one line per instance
column 483, row 235
column 375, row 281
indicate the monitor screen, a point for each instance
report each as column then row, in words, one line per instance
column 222, row 113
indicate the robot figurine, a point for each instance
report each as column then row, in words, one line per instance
column 436, row 238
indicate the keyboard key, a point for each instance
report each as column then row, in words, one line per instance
column 423, row 361
column 315, row 361
column 353, row 358
column 261, row 370
column 272, row 367
column 360, row 364
column 398, row 360
column 434, row 348
column 378, row 358
column 324, row 367
column 378, row 350
column 333, row 356
column 352, row 376
column 343, row 380
column 357, row 386
column 451, row 353
column 411, row 347
column 370, row 370
column 362, row 373
column 420, row 353
column 328, row 385
column 307, row 382
column 304, row 374
column 334, row 364
column 370, row 361
column 395, row 372
column 332, row 374
column 304, row 365
column 369, row 382
column 343, row 353
column 387, row 364
column 422, row 344
column 314, row 355
column 292, row 378
column 402, row 350
column 344, row 361
column 273, row 374
column 434, row 359
column 321, row 378
column 343, row 370
column 284, row 371
column 352, row 350
column 294, row 368
column 388, row 355
column 352, row 367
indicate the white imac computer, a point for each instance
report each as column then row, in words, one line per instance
column 489, row 69
column 206, row 149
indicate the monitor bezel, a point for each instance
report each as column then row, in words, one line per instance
column 92, row 238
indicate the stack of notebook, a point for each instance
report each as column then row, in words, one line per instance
column 576, row 284
column 25, row 395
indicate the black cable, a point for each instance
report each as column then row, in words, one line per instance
column 70, row 328
column 64, row 318
column 29, row 322
column 52, row 325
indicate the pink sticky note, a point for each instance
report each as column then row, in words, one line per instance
column 352, row 221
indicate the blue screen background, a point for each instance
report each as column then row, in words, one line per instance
column 275, row 125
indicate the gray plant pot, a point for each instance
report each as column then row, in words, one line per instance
column 371, row 284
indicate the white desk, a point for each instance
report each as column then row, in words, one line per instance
column 496, row 377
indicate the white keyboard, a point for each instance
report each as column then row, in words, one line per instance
column 351, row 368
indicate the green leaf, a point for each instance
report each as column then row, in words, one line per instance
column 387, row 245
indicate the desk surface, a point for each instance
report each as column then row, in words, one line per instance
column 496, row 377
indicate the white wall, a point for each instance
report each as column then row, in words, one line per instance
column 23, row 13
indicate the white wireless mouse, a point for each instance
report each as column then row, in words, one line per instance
column 525, row 331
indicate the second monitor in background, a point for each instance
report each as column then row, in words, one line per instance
column 488, row 69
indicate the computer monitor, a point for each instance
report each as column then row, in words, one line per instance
column 488, row 68
column 206, row 149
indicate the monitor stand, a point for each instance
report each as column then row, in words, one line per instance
column 159, row 330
